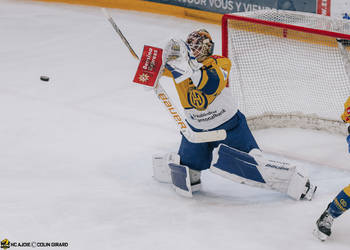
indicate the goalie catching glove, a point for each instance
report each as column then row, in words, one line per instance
column 174, row 50
column 179, row 60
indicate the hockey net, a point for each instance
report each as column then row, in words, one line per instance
column 287, row 69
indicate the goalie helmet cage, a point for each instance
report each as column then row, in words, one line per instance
column 287, row 70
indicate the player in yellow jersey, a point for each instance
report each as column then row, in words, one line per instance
column 341, row 202
column 334, row 209
column 201, row 81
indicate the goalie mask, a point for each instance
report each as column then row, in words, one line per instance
column 201, row 44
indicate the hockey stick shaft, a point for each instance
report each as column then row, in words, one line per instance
column 116, row 28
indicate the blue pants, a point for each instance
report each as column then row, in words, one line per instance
column 198, row 156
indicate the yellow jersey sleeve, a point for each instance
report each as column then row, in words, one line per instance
column 167, row 73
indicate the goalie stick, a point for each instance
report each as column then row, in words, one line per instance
column 149, row 75
column 116, row 28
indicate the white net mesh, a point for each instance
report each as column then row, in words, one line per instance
column 283, row 76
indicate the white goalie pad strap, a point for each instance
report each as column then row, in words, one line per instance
column 161, row 170
column 256, row 170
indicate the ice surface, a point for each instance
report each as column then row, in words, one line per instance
column 75, row 152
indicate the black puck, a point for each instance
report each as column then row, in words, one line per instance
column 44, row 78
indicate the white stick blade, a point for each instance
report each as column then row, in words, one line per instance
column 209, row 136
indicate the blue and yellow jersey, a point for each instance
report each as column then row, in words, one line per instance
column 213, row 79
column 346, row 114
column 206, row 100
column 341, row 203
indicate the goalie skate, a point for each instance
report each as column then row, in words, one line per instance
column 323, row 226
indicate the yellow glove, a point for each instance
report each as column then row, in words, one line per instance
column 346, row 115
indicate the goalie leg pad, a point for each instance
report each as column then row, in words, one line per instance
column 161, row 170
column 256, row 170
column 235, row 165
column 181, row 177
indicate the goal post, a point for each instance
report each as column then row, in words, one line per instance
column 287, row 70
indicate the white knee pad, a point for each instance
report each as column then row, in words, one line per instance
column 161, row 170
